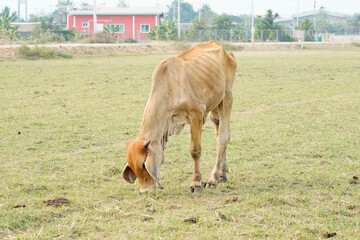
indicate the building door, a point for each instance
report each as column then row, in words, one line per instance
column 99, row 28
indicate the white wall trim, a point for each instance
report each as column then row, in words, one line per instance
column 133, row 26
column 74, row 22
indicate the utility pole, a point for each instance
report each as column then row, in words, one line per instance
column 19, row 1
column 174, row 12
column 297, row 21
column 297, row 14
column 26, row 18
column 315, row 20
column 94, row 13
column 252, row 23
column 200, row 11
column 199, row 2
column 179, row 32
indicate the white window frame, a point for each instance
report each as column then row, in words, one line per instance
column 85, row 24
column 123, row 28
column 141, row 30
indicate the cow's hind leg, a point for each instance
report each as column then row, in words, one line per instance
column 196, row 121
column 221, row 119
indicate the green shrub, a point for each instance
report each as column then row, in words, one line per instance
column 42, row 52
column 24, row 51
column 39, row 35
column 100, row 38
column 65, row 55
column 356, row 44
column 182, row 45
column 231, row 47
column 130, row 40
column 300, row 46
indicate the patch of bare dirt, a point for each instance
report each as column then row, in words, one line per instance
column 191, row 220
column 151, row 209
column 234, row 199
column 221, row 217
column 57, row 202
column 20, row 206
column 41, row 188
column 329, row 235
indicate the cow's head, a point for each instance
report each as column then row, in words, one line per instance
column 141, row 164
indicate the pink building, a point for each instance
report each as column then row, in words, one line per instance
column 134, row 23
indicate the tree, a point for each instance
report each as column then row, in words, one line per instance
column 86, row 6
column 156, row 33
column 34, row 18
column 266, row 25
column 323, row 20
column 167, row 31
column 187, row 12
column 47, row 23
column 267, row 22
column 222, row 25
column 207, row 13
column 354, row 22
column 6, row 17
column 6, row 30
column 123, row 4
column 222, row 22
column 65, row 3
column 239, row 32
column 240, row 18
column 199, row 32
column 200, row 24
column 307, row 25
column 111, row 29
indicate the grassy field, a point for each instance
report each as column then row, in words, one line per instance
column 294, row 156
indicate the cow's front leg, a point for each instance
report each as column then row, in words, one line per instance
column 195, row 150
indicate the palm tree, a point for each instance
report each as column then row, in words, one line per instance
column 6, row 30
column 111, row 29
column 6, row 17
column 169, row 30
column 156, row 33
column 306, row 24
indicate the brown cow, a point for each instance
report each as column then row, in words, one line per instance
column 184, row 90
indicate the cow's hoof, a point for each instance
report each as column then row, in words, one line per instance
column 196, row 189
column 210, row 185
column 222, row 179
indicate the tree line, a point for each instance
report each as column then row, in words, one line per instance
column 206, row 24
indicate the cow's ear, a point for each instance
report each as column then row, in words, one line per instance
column 128, row 174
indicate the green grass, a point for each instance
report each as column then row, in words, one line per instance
column 292, row 157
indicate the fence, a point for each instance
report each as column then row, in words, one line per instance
column 264, row 36
column 245, row 36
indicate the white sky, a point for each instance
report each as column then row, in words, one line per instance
column 285, row 8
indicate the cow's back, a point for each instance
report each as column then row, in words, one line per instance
column 203, row 73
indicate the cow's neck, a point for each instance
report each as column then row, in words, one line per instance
column 154, row 122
